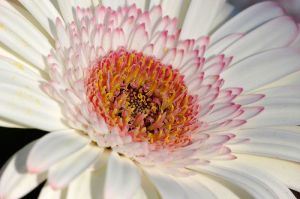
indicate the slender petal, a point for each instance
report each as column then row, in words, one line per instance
column 61, row 174
column 15, row 181
column 283, row 170
column 119, row 170
column 52, row 148
column 258, row 183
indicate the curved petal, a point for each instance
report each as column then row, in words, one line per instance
column 258, row 183
column 88, row 185
column 280, row 114
column 28, row 108
column 268, row 150
column 258, row 69
column 176, row 10
column 195, row 189
column 9, row 124
column 114, row 4
column 117, row 185
column 15, row 181
column 14, row 43
column 273, row 37
column 283, row 170
column 202, row 13
column 267, row 11
column 14, row 66
column 272, row 136
column 48, row 193
column 54, row 147
column 225, row 189
column 25, row 30
column 61, row 174
column 166, row 185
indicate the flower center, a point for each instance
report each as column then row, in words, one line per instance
column 143, row 97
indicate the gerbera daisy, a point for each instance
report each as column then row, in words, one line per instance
column 151, row 99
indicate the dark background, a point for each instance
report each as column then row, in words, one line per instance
column 14, row 139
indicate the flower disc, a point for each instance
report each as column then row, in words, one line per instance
column 143, row 97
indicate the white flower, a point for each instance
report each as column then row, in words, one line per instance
column 138, row 108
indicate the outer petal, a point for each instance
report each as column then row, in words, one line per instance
column 166, row 185
column 266, row 10
column 44, row 12
column 48, row 193
column 225, row 189
column 15, row 181
column 24, row 30
column 26, row 107
column 259, row 184
column 117, row 183
column 114, row 4
column 61, row 174
column 258, row 69
column 89, row 185
column 195, row 189
column 264, row 38
column 54, row 147
column 202, row 13
column 285, row 171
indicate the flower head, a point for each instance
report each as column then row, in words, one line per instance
column 129, row 93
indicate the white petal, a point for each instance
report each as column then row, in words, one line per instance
column 15, row 181
column 290, row 91
column 259, row 69
column 28, row 108
column 286, row 81
column 85, row 187
column 149, row 188
column 222, row 44
column 83, row 3
column 153, row 3
column 20, row 80
column 166, row 185
column 12, row 42
column 114, row 4
column 279, row 151
column 62, row 36
column 225, row 190
column 61, row 174
column 117, row 183
column 9, row 124
column 283, row 170
column 223, row 14
column 199, row 18
column 14, row 66
column 272, row 136
column 140, row 194
column 266, row 10
column 258, row 183
column 141, row 4
column 25, row 30
column 139, row 39
column 276, row 115
column 221, row 113
column 296, row 42
column 66, row 8
column 48, row 193
column 195, row 189
column 44, row 12
column 175, row 10
column 272, row 38
column 54, row 147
